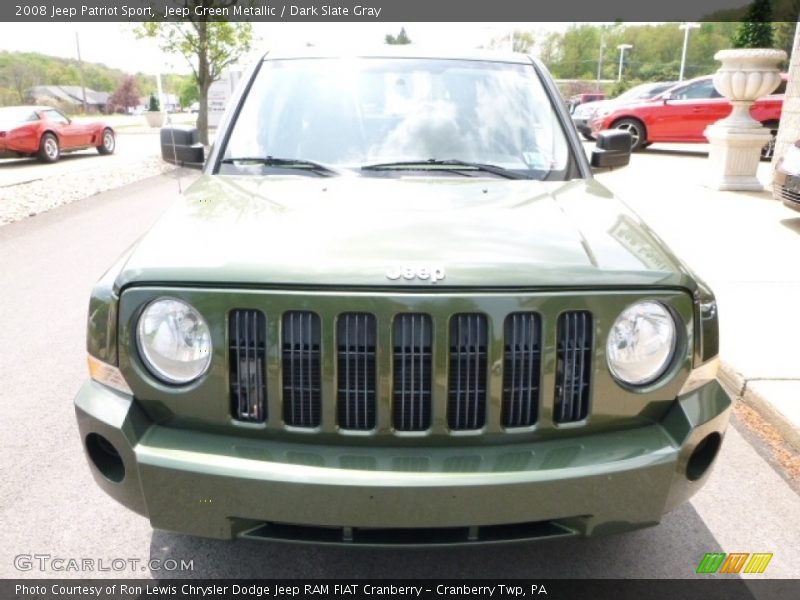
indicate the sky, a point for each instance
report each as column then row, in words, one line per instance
column 115, row 45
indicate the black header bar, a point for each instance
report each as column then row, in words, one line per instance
column 372, row 10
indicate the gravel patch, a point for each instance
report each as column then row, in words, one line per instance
column 29, row 199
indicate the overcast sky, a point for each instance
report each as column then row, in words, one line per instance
column 115, row 45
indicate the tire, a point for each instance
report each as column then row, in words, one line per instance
column 636, row 129
column 587, row 137
column 108, row 142
column 768, row 150
column 49, row 150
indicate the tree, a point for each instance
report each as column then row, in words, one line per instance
column 20, row 79
column 188, row 93
column 756, row 30
column 521, row 41
column 400, row 39
column 208, row 47
column 125, row 96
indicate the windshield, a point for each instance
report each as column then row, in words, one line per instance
column 13, row 115
column 642, row 92
column 355, row 113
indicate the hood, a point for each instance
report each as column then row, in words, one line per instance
column 351, row 231
column 589, row 107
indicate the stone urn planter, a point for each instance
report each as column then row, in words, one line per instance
column 155, row 118
column 746, row 74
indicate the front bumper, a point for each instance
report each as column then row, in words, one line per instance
column 218, row 485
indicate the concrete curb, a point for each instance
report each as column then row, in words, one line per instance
column 736, row 384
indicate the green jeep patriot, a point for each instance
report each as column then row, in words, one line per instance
column 396, row 307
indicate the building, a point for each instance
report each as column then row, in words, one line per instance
column 68, row 97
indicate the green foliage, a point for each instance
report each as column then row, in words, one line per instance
column 208, row 47
column 756, row 30
column 154, row 104
column 399, row 39
column 523, row 41
column 188, row 92
column 20, row 71
column 655, row 56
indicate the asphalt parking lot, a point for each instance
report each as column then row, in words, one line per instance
column 51, row 506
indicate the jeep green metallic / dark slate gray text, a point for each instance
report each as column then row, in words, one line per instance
column 396, row 307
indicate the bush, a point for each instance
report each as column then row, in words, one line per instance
column 756, row 30
column 154, row 105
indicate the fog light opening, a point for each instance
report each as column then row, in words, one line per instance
column 703, row 455
column 105, row 457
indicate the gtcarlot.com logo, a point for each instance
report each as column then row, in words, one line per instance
column 48, row 562
column 719, row 562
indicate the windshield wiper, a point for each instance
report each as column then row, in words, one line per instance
column 286, row 163
column 435, row 163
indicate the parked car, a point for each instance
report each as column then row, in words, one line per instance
column 579, row 99
column 396, row 307
column 786, row 178
column 47, row 133
column 682, row 113
column 584, row 113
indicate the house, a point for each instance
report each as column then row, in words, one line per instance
column 68, row 97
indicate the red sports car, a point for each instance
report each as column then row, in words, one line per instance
column 681, row 114
column 45, row 133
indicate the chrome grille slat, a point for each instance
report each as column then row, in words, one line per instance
column 301, row 335
column 521, row 369
column 413, row 356
column 356, row 343
column 573, row 364
column 468, row 366
column 246, row 359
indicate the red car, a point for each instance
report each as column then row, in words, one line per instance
column 46, row 133
column 681, row 114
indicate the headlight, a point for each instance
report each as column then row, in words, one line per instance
column 641, row 343
column 174, row 341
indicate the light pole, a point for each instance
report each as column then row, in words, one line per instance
column 600, row 61
column 686, row 27
column 622, row 48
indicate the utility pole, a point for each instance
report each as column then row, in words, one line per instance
column 600, row 60
column 686, row 27
column 80, row 70
column 622, row 48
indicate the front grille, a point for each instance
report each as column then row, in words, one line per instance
column 355, row 341
column 301, row 369
column 521, row 367
column 466, row 406
column 246, row 357
column 573, row 366
column 413, row 354
column 477, row 349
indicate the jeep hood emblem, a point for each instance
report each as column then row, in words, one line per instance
column 430, row 273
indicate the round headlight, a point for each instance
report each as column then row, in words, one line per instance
column 174, row 341
column 641, row 343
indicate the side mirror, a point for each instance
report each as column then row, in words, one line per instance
column 613, row 149
column 666, row 96
column 179, row 146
